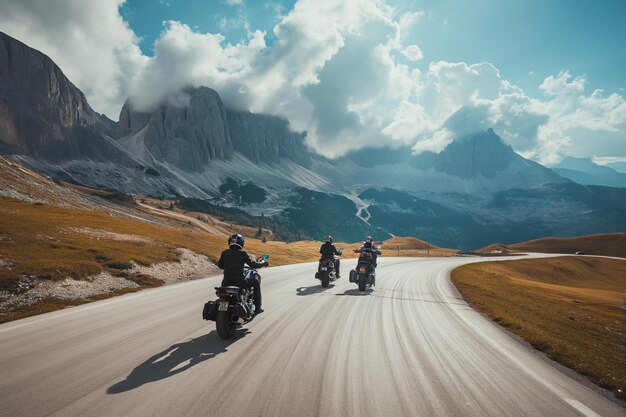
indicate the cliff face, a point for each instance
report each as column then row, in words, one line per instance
column 41, row 112
column 186, row 136
column 189, row 136
column 263, row 138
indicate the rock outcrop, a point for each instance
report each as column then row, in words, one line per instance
column 263, row 138
column 42, row 113
column 191, row 134
column 186, row 136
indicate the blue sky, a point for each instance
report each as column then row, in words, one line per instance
column 548, row 76
column 527, row 40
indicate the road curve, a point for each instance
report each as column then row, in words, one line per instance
column 411, row 347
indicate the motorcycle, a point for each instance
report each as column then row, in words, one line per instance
column 326, row 270
column 365, row 273
column 234, row 306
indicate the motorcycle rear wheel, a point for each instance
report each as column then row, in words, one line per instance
column 362, row 282
column 224, row 326
column 325, row 279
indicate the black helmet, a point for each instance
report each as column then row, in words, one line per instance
column 369, row 240
column 328, row 239
column 236, row 239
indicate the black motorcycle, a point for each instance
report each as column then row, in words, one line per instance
column 365, row 272
column 326, row 270
column 234, row 306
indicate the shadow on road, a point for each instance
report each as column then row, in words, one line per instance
column 315, row 289
column 175, row 359
column 357, row 292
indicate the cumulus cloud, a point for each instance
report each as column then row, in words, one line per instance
column 184, row 57
column 463, row 99
column 344, row 71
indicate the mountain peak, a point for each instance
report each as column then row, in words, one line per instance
column 485, row 155
column 483, row 138
column 479, row 154
column 186, row 133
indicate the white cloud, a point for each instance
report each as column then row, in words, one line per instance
column 413, row 53
column 184, row 57
column 343, row 70
column 461, row 98
column 435, row 143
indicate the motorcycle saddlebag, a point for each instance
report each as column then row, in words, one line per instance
column 353, row 275
column 209, row 312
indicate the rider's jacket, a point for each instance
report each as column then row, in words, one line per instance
column 328, row 250
column 232, row 261
column 369, row 248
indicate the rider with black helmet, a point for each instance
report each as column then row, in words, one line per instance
column 368, row 246
column 232, row 262
column 328, row 251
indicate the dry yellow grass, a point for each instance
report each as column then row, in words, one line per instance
column 48, row 242
column 607, row 244
column 411, row 246
column 506, row 250
column 568, row 307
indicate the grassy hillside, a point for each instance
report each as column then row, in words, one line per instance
column 607, row 244
column 42, row 243
column 54, row 242
column 568, row 307
column 411, row 246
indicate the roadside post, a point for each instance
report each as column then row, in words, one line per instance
column 398, row 250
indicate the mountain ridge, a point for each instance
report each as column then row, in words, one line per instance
column 585, row 171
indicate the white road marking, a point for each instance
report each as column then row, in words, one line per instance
column 581, row 408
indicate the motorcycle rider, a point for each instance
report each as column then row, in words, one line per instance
column 328, row 251
column 232, row 262
column 368, row 247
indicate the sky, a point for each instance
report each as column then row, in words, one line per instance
column 548, row 76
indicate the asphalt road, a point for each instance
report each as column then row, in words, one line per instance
column 411, row 347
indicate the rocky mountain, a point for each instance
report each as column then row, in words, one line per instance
column 266, row 139
column 47, row 124
column 585, row 171
column 253, row 167
column 42, row 113
column 191, row 134
column 480, row 162
column 485, row 155
column 185, row 136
